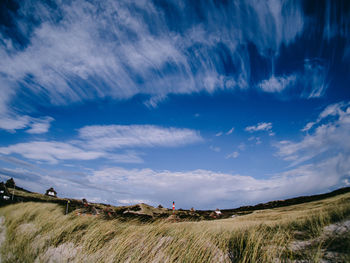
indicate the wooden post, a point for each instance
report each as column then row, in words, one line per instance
column 13, row 192
column 67, row 207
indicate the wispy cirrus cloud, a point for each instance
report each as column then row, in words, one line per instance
column 64, row 52
column 314, row 78
column 128, row 136
column 311, row 78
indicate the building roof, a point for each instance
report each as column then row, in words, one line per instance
column 51, row 190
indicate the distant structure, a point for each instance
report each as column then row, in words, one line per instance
column 10, row 183
column 51, row 192
column 4, row 193
column 85, row 202
column 218, row 212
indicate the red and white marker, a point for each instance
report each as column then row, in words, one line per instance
column 173, row 206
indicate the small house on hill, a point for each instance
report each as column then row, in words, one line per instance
column 218, row 212
column 51, row 192
column 4, row 193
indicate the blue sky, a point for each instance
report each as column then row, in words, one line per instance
column 208, row 103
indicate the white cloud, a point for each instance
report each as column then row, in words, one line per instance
column 219, row 134
column 328, row 137
column 336, row 109
column 230, row 131
column 50, row 151
column 222, row 190
column 121, row 136
column 102, row 141
column 233, row 155
column 38, row 126
column 13, row 122
column 278, row 84
column 261, row 126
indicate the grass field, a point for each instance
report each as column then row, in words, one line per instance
column 41, row 232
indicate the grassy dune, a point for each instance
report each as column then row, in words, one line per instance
column 41, row 232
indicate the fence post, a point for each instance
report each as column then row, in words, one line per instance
column 67, row 207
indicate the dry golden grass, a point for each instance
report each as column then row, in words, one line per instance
column 41, row 232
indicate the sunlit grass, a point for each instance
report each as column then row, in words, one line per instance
column 40, row 231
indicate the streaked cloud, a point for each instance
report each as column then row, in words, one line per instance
column 126, row 136
column 314, row 78
column 50, row 151
column 104, row 141
column 71, row 55
column 13, row 122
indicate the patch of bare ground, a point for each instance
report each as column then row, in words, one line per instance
column 333, row 244
column 65, row 252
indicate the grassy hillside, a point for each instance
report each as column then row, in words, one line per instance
column 315, row 230
column 144, row 212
